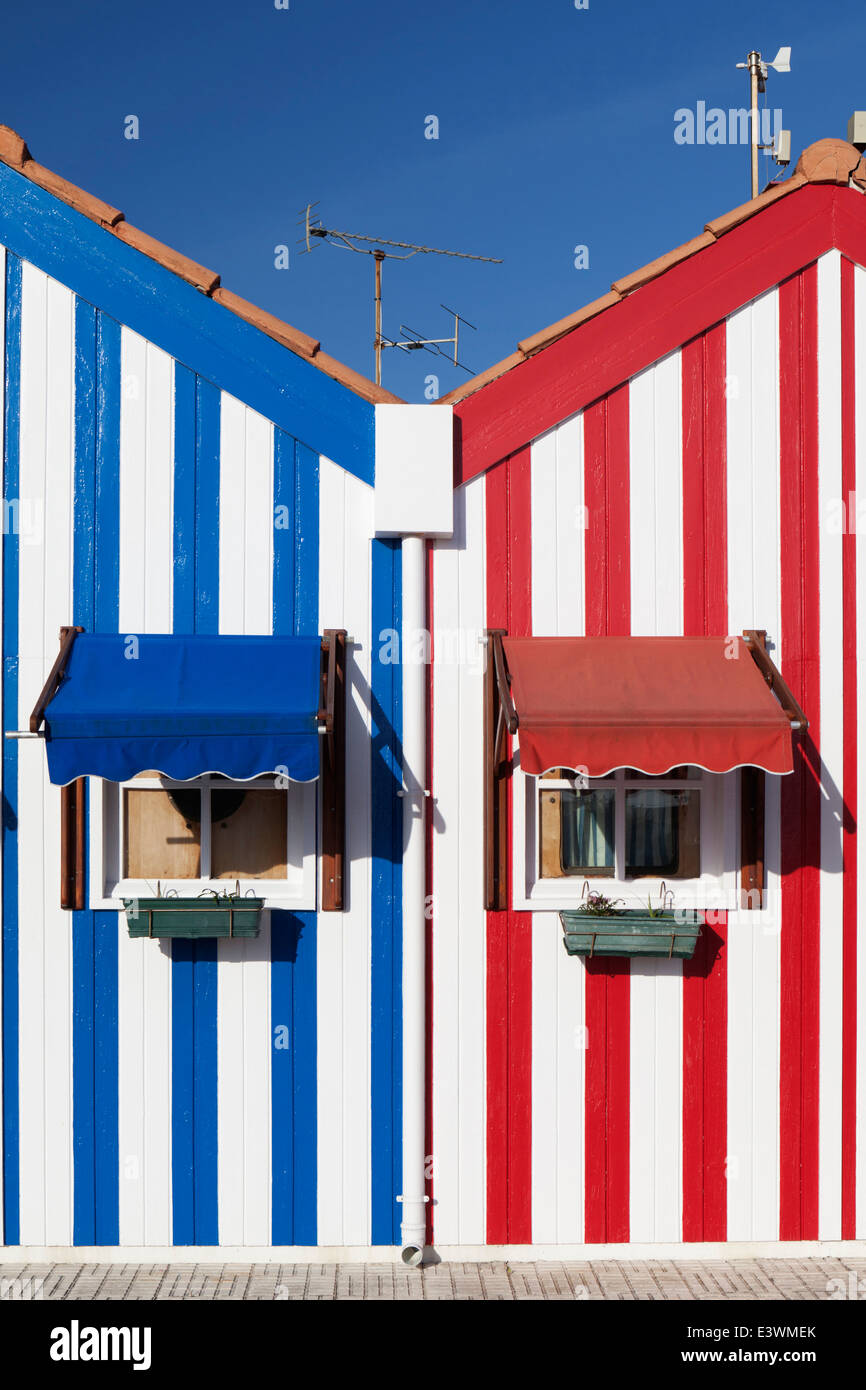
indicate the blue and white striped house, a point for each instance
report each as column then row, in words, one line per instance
column 176, row 462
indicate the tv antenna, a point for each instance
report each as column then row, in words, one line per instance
column 414, row 341
column 781, row 145
column 315, row 229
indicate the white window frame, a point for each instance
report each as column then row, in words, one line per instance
column 715, row 888
column 297, row 891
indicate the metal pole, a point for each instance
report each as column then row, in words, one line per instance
column 754, row 75
column 414, row 747
column 378, row 258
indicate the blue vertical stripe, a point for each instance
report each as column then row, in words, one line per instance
column 183, row 577
column 11, row 476
column 207, row 508
column 94, row 934
column 195, row 1202
column 386, row 896
column 294, row 1121
column 106, row 596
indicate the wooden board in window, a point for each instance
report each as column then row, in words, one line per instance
column 251, row 843
column 550, row 838
column 158, row 842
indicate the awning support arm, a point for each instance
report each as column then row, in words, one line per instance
column 756, row 641
column 506, row 703
column 753, row 873
column 332, row 717
column 55, row 676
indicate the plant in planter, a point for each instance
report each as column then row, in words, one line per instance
column 595, row 904
column 599, row 928
column 211, row 914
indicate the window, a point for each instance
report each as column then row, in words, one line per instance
column 631, row 830
column 651, row 825
column 210, row 832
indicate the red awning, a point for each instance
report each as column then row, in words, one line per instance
column 652, row 703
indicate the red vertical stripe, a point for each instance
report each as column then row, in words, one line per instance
column 801, row 795
column 509, row 933
column 705, row 1074
column 705, row 498
column 608, row 613
column 705, row 613
column 849, row 766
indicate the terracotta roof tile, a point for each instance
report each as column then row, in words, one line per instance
column 859, row 174
column 358, row 383
column 292, row 338
column 536, row 341
column 188, row 270
column 491, row 373
column 828, row 161
column 12, row 148
column 14, row 152
column 93, row 208
column 732, row 219
column 661, row 264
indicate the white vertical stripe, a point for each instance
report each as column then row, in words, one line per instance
column 557, row 510
column 656, row 991
column 558, row 981
column 656, row 1100
column 243, row 969
column 146, row 486
column 244, row 1089
column 546, row 946
column 232, row 513
column 656, row 488
column 459, row 935
column 753, row 466
column 558, row 1085
column 45, row 954
column 343, row 966
column 754, row 600
column 258, row 535
column 860, row 437
column 144, row 967
column 246, row 543
column 832, row 808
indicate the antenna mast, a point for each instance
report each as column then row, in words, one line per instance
column 757, row 69
column 313, row 227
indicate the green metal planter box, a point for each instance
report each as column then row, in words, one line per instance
column 631, row 933
column 195, row 917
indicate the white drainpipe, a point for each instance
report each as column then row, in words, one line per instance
column 414, row 499
column 415, row 796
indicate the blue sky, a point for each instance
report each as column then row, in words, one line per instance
column 556, row 129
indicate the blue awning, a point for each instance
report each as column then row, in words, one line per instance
column 184, row 706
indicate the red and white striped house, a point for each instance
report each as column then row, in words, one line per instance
column 680, row 459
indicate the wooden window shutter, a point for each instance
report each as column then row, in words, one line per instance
column 73, row 844
column 499, row 718
column 333, row 778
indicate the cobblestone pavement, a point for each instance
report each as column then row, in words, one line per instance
column 812, row 1278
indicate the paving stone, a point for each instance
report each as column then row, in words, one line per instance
column 738, row 1280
